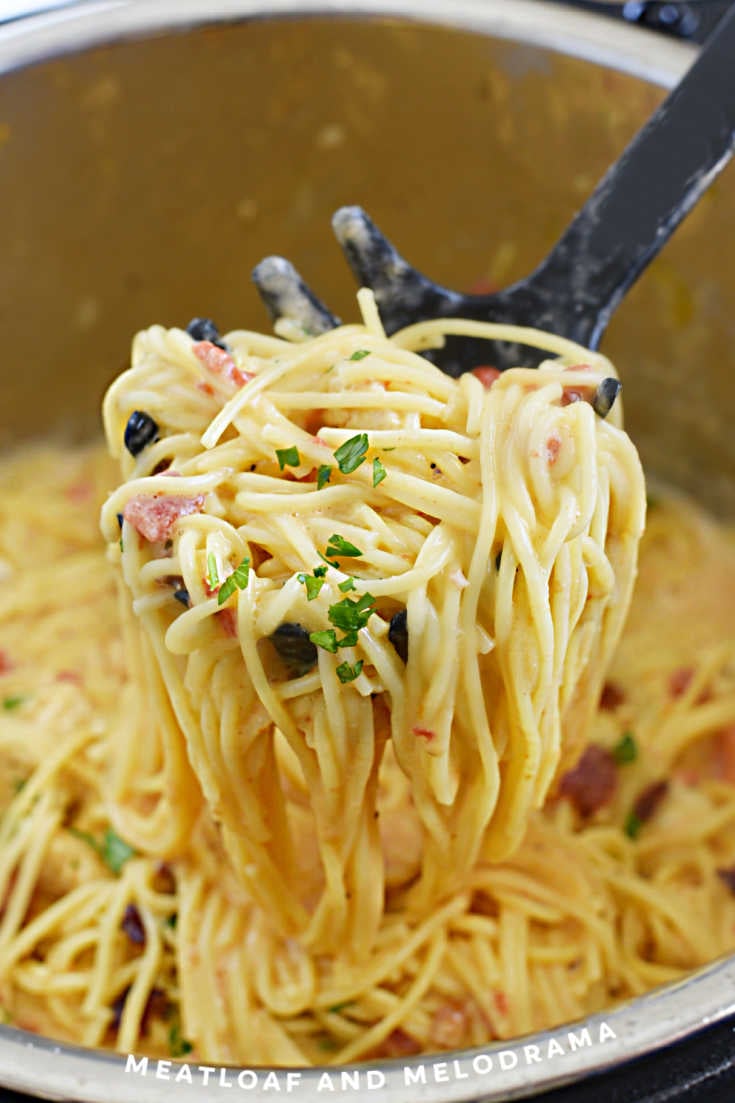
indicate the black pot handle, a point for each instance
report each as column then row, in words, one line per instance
column 693, row 21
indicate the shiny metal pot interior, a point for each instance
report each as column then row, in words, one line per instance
column 153, row 152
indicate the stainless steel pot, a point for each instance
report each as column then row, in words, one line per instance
column 153, row 151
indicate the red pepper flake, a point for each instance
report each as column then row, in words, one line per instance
column 154, row 517
column 206, row 388
column 6, row 663
column 73, row 677
column 219, row 362
column 553, row 447
column 648, row 801
column 500, row 999
column 612, row 697
column 592, row 782
column 727, row 876
column 579, row 367
column 228, row 621
column 132, row 924
column 680, row 681
column 487, row 374
column 424, row 733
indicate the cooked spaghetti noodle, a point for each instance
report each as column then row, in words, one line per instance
column 190, row 852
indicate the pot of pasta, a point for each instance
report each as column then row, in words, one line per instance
column 364, row 730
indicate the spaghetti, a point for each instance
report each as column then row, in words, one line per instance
column 190, row 852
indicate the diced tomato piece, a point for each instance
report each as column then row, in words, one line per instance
column 487, row 374
column 154, row 517
column 219, row 362
column 424, row 733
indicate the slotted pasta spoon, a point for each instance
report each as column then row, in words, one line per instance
column 573, row 292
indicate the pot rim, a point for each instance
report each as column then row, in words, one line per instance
column 87, row 23
column 497, row 1071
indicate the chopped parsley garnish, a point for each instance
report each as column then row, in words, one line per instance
column 113, row 850
column 19, row 784
column 379, row 472
column 323, row 475
column 349, row 616
column 347, row 585
column 352, row 615
column 347, row 673
column 319, row 572
column 360, row 354
column 288, row 457
column 338, row 546
column 326, row 639
column 313, row 585
column 212, row 572
column 178, row 1046
column 10, row 703
column 238, row 580
column 171, row 920
column 352, row 453
column 632, row 825
column 626, row 749
column 338, row 1008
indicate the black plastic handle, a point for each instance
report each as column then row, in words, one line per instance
column 646, row 194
